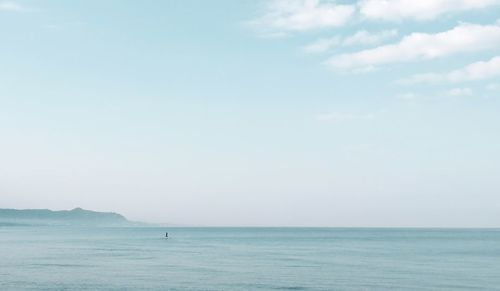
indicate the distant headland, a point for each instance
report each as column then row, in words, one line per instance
column 74, row 217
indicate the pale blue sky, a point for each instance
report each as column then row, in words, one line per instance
column 314, row 113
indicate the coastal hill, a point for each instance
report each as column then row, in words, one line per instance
column 77, row 216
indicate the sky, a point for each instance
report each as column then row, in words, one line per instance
column 369, row 113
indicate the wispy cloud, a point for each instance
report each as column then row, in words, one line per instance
column 360, row 38
column 364, row 37
column 408, row 96
column 458, row 92
column 493, row 87
column 475, row 71
column 396, row 10
column 339, row 116
column 465, row 37
column 322, row 45
column 302, row 15
column 367, row 50
column 10, row 6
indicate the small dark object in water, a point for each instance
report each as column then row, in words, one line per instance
column 166, row 234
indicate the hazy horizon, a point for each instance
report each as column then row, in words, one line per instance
column 174, row 225
column 253, row 113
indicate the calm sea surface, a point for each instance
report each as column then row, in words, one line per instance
column 64, row 258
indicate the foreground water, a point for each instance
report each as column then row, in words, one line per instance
column 63, row 258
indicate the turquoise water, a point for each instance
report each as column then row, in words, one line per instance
column 63, row 258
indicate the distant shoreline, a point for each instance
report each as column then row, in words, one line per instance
column 74, row 217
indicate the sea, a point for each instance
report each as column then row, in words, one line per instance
column 141, row 258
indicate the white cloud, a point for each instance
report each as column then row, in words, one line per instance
column 475, row 71
column 364, row 37
column 338, row 116
column 457, row 92
column 361, row 37
column 10, row 6
column 395, row 10
column 322, row 45
column 465, row 37
column 302, row 15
